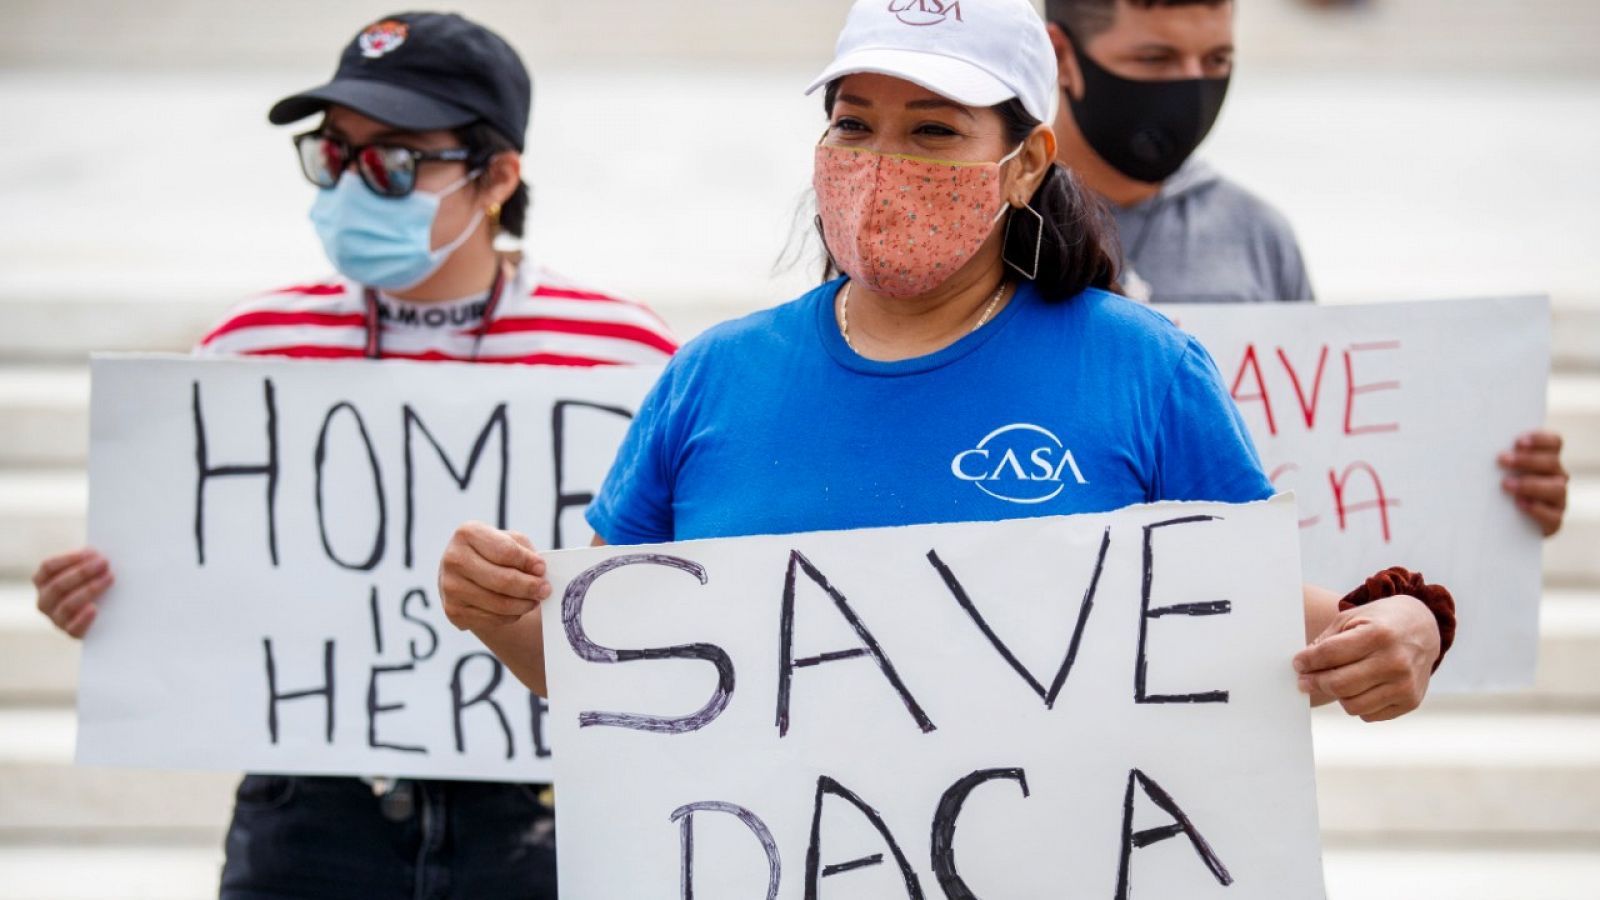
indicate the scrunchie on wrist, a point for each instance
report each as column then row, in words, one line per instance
column 1395, row 581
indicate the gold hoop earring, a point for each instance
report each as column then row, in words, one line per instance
column 494, row 213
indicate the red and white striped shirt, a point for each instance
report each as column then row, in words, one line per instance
column 541, row 319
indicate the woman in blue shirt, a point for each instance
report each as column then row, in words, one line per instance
column 970, row 364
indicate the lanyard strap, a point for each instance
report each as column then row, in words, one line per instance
column 374, row 316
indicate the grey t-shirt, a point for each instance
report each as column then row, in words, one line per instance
column 1204, row 239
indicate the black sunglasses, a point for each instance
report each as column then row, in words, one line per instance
column 387, row 170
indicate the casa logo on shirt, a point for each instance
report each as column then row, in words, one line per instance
column 925, row 12
column 1018, row 463
column 382, row 38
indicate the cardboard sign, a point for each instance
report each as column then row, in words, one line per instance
column 1385, row 419
column 275, row 529
column 1088, row 706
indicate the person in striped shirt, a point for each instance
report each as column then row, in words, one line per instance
column 417, row 163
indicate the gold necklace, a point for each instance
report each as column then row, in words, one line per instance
column 844, row 312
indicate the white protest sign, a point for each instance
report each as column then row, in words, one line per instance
column 1087, row 706
column 275, row 529
column 1385, row 419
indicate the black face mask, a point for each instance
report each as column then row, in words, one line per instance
column 1144, row 129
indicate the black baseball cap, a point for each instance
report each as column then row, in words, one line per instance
column 422, row 71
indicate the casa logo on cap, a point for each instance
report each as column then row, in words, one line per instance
column 925, row 12
column 382, row 38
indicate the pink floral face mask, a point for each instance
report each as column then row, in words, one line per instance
column 902, row 225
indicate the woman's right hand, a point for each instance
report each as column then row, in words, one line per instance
column 69, row 588
column 490, row 578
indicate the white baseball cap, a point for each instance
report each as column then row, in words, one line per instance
column 975, row 52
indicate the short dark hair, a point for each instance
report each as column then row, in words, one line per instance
column 1083, row 19
column 486, row 141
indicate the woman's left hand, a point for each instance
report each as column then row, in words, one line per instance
column 1376, row 659
column 1536, row 480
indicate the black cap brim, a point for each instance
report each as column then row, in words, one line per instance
column 395, row 106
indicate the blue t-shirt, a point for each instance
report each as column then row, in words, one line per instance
column 771, row 424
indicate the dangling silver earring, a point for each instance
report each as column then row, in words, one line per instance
column 1038, row 242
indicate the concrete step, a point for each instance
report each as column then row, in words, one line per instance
column 42, row 512
column 45, row 408
column 1572, row 557
column 188, row 871
column 134, row 870
column 1461, row 872
column 1575, row 338
column 1575, row 414
column 38, row 664
column 1443, row 773
column 42, row 794
column 46, row 411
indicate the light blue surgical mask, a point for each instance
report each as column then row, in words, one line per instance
column 384, row 242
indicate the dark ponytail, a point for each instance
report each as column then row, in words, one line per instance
column 1079, row 248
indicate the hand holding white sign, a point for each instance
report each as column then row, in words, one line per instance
column 491, row 583
column 1376, row 660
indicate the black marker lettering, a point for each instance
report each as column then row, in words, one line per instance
column 944, row 828
column 1217, row 608
column 566, row 500
column 1132, row 840
column 206, row 471
column 462, row 479
column 405, row 613
column 684, row 816
column 538, row 711
column 377, row 621
column 378, row 539
column 459, row 706
column 325, row 691
column 1048, row 695
column 375, row 708
column 814, row 869
column 869, row 646
column 572, row 620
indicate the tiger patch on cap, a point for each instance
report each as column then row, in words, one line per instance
column 382, row 38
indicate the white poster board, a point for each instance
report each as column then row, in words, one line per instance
column 275, row 529
column 1086, row 706
column 1385, row 419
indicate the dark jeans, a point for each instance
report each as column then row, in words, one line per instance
column 314, row 838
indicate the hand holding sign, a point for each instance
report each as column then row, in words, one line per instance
column 489, row 578
column 492, row 583
column 70, row 586
column 1536, row 480
column 1376, row 660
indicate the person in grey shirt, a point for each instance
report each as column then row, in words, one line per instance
column 1142, row 84
column 1204, row 239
